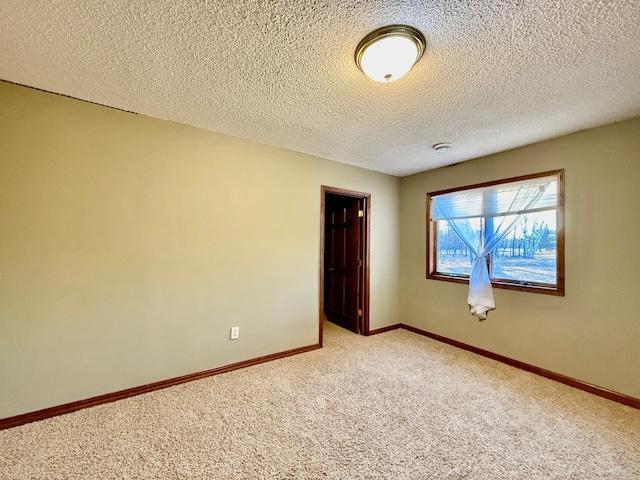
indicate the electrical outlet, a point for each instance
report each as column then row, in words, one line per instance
column 235, row 333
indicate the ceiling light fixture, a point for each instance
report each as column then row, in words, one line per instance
column 388, row 53
column 442, row 147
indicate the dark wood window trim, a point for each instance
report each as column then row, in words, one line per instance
column 532, row 287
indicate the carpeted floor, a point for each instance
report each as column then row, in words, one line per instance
column 392, row 406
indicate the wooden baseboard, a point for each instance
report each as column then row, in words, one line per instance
column 130, row 392
column 383, row 329
column 587, row 387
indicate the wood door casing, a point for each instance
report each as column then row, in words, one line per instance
column 365, row 271
column 343, row 261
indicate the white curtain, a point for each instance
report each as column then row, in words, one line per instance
column 482, row 217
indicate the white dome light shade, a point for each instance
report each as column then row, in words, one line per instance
column 389, row 58
column 389, row 53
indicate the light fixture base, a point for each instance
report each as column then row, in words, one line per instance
column 401, row 31
column 442, row 147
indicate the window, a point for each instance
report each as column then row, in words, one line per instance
column 519, row 221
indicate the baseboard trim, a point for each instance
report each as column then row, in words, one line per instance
column 572, row 382
column 131, row 392
column 25, row 418
column 383, row 329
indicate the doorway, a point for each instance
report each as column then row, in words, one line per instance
column 344, row 259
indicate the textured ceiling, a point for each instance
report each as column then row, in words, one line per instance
column 497, row 74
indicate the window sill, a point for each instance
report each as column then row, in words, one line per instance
column 503, row 284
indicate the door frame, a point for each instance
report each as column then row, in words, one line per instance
column 365, row 234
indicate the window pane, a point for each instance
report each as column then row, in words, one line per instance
column 528, row 254
column 526, row 259
column 496, row 200
column 452, row 255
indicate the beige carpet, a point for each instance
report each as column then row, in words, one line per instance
column 395, row 405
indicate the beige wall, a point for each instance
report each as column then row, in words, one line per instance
column 129, row 246
column 593, row 333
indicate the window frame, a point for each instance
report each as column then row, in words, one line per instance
column 533, row 287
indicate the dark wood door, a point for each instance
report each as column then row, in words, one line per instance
column 342, row 261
